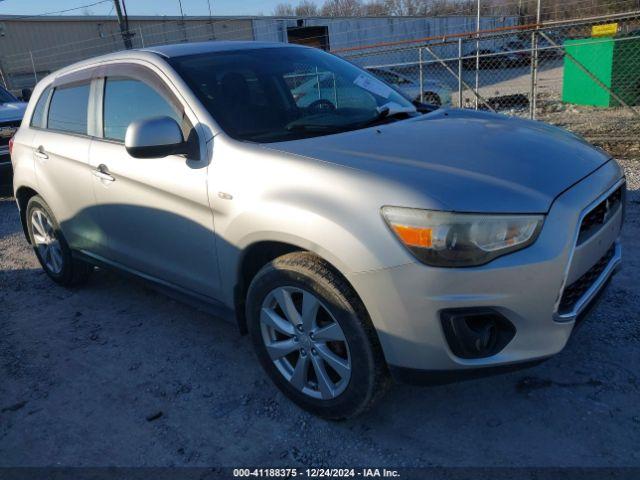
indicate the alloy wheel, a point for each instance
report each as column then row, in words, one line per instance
column 305, row 342
column 46, row 241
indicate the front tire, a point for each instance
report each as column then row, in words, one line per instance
column 313, row 337
column 50, row 246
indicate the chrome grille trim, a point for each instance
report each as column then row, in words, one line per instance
column 611, row 267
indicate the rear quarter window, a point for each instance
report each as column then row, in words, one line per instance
column 38, row 118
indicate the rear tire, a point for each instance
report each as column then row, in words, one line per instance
column 50, row 246
column 337, row 334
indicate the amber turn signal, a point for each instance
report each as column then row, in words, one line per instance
column 414, row 236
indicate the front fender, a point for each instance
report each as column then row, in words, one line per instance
column 259, row 194
column 344, row 248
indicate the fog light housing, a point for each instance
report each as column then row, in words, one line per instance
column 476, row 332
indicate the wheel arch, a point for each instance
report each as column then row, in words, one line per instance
column 257, row 255
column 23, row 195
column 252, row 259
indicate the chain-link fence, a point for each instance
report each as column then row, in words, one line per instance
column 582, row 75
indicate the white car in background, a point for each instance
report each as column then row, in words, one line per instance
column 322, row 90
column 434, row 92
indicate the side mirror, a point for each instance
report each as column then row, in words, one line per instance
column 154, row 138
column 26, row 94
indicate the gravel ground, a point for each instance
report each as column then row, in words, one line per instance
column 117, row 374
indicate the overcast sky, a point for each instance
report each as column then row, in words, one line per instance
column 143, row 7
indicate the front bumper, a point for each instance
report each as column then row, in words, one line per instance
column 525, row 287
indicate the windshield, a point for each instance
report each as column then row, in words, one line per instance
column 286, row 93
column 6, row 97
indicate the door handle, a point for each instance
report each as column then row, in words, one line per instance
column 40, row 153
column 102, row 172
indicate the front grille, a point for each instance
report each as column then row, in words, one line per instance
column 600, row 214
column 574, row 292
column 7, row 130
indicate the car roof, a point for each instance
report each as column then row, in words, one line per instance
column 183, row 49
column 169, row 51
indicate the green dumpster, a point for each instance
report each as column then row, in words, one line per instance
column 613, row 61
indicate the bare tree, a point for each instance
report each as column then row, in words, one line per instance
column 524, row 9
column 342, row 8
column 306, row 8
column 406, row 7
column 375, row 8
column 283, row 10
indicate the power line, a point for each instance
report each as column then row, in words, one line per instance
column 61, row 11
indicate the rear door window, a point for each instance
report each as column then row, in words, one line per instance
column 68, row 109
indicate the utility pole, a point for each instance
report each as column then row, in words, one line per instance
column 182, row 23
column 520, row 13
column 533, row 104
column 213, row 31
column 124, row 25
column 477, row 83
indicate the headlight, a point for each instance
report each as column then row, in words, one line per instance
column 446, row 239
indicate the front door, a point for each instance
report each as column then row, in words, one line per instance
column 154, row 213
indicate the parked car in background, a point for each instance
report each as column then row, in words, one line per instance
column 522, row 50
column 11, row 113
column 433, row 92
column 492, row 58
column 315, row 86
column 353, row 238
column 548, row 51
column 320, row 90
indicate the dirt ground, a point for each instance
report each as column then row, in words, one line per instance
column 117, row 374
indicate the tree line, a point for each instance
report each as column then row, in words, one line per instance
column 526, row 9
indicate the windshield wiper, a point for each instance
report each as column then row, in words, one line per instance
column 384, row 113
column 316, row 127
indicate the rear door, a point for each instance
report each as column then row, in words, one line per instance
column 61, row 150
column 154, row 213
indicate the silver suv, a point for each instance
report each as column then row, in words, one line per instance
column 354, row 238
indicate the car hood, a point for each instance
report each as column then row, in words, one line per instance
column 465, row 160
column 12, row 111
